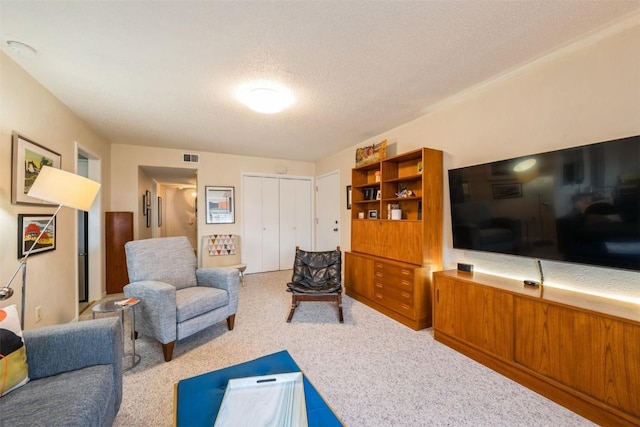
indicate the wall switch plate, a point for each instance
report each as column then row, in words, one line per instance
column 38, row 314
column 467, row 268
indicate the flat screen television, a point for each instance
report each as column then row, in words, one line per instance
column 580, row 204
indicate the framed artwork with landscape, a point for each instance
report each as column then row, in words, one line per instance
column 27, row 160
column 29, row 228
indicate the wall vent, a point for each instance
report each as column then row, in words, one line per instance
column 190, row 158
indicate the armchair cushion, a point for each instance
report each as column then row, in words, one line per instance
column 173, row 262
column 192, row 302
column 316, row 272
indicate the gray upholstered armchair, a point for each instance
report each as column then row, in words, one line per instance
column 176, row 298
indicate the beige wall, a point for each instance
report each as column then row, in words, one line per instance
column 179, row 214
column 212, row 169
column 29, row 109
column 586, row 93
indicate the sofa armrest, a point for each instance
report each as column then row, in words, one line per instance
column 52, row 350
column 156, row 312
column 222, row 278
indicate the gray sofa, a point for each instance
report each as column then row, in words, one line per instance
column 76, row 376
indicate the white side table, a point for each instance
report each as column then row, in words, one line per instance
column 112, row 307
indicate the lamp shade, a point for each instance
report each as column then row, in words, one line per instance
column 64, row 188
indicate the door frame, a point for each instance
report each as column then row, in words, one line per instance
column 97, row 288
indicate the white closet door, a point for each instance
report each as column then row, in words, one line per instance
column 277, row 218
column 252, row 218
column 287, row 223
column 295, row 219
column 270, row 224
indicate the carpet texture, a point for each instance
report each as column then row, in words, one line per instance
column 371, row 370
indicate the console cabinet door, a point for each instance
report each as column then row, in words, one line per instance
column 476, row 315
column 604, row 352
column 358, row 275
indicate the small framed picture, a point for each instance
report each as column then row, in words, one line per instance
column 373, row 214
column 30, row 226
column 377, row 194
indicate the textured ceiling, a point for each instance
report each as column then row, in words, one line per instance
column 164, row 73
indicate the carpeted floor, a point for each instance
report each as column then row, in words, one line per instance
column 371, row 370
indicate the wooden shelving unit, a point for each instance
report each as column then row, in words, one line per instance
column 390, row 263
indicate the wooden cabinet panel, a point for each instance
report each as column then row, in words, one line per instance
column 475, row 314
column 118, row 230
column 358, row 276
column 553, row 342
column 604, row 353
column 399, row 290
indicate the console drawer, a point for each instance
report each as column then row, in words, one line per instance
column 405, row 308
column 399, row 277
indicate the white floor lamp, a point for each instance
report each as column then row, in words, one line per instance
column 64, row 189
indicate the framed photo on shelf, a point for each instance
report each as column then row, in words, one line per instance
column 219, row 205
column 27, row 160
column 373, row 214
column 348, row 197
column 29, row 228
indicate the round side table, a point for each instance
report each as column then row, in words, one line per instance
column 112, row 307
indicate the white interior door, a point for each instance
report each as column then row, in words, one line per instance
column 328, row 212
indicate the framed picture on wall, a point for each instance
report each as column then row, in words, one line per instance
column 29, row 228
column 27, row 160
column 219, row 205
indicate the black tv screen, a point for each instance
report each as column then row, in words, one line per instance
column 580, row 204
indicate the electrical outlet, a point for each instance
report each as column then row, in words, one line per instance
column 38, row 314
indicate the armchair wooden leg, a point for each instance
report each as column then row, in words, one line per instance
column 167, row 349
column 340, row 308
column 231, row 322
column 294, row 304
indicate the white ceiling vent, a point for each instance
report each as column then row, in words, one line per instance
column 190, row 158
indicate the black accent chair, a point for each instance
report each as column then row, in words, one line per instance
column 317, row 276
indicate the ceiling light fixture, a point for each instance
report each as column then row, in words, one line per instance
column 21, row 49
column 265, row 97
